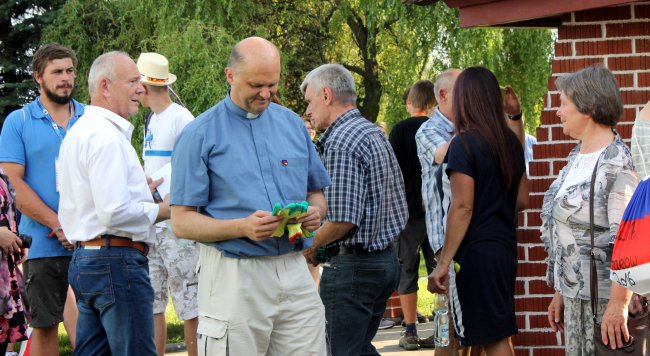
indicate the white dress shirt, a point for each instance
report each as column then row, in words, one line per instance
column 102, row 185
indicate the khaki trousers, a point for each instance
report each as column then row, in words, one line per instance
column 258, row 306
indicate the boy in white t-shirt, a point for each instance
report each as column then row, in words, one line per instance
column 172, row 262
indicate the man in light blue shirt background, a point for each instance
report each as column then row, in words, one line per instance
column 29, row 148
column 229, row 167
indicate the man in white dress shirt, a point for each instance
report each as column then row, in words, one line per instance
column 107, row 211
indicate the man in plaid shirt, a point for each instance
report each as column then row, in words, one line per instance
column 366, row 212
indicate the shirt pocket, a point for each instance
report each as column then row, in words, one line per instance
column 292, row 174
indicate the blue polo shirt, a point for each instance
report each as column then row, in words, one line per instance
column 229, row 166
column 29, row 137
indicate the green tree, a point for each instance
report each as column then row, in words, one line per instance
column 21, row 24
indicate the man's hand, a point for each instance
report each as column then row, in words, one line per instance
column 440, row 154
column 613, row 328
column 60, row 235
column 310, row 221
column 164, row 210
column 438, row 279
column 260, row 225
column 511, row 105
column 556, row 313
column 310, row 256
column 153, row 184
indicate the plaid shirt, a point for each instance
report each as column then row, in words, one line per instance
column 435, row 132
column 367, row 186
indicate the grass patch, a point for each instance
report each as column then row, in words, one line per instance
column 425, row 298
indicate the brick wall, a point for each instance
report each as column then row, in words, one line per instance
column 618, row 37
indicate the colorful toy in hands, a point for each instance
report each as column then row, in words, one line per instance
column 293, row 210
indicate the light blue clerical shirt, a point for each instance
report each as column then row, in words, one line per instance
column 229, row 164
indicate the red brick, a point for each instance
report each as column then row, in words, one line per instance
column 539, row 168
column 539, row 185
column 555, row 351
column 629, row 115
column 535, row 201
column 625, row 80
column 533, row 219
column 642, row 11
column 557, row 134
column 629, row 63
column 579, row 31
column 531, row 270
column 525, row 236
column 519, row 288
column 553, row 150
column 549, row 116
column 551, row 82
column 631, row 97
column 625, row 130
column 563, row 49
column 522, row 352
column 536, row 304
column 604, row 14
column 541, row 133
column 557, row 166
column 539, row 287
column 643, row 79
column 573, row 65
column 590, row 48
column 521, row 321
column 538, row 321
column 539, row 338
column 627, row 29
column 536, row 253
column 642, row 45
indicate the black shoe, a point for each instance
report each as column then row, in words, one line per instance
column 409, row 341
column 422, row 318
column 428, row 343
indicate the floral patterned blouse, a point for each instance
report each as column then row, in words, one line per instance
column 565, row 221
column 13, row 306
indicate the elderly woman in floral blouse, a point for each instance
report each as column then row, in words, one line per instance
column 590, row 106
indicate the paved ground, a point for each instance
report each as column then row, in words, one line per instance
column 386, row 342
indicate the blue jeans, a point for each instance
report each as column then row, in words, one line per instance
column 115, row 301
column 354, row 289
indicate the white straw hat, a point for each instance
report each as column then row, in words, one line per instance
column 154, row 69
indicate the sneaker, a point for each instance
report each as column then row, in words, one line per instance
column 422, row 318
column 409, row 341
column 428, row 343
column 386, row 324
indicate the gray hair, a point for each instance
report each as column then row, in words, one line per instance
column 337, row 78
column 103, row 67
column 594, row 91
column 444, row 80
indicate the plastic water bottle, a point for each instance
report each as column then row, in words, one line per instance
column 441, row 320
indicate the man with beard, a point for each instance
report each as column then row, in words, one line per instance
column 29, row 147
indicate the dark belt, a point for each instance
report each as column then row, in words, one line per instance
column 116, row 241
column 350, row 250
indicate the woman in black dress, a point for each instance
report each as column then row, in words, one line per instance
column 486, row 169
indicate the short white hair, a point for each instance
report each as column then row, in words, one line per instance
column 444, row 80
column 337, row 78
column 103, row 67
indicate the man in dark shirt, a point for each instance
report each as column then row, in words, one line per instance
column 366, row 212
column 420, row 100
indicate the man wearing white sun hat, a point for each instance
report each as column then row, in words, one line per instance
column 172, row 262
